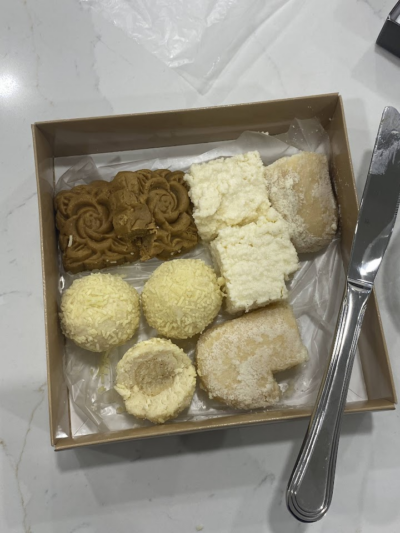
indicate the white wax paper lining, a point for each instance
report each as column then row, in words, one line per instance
column 315, row 295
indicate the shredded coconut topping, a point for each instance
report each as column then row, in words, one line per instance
column 227, row 192
column 99, row 311
column 181, row 298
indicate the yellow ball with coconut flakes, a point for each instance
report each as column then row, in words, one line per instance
column 181, row 298
column 99, row 312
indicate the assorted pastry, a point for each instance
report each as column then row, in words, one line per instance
column 236, row 360
column 87, row 237
column 99, row 312
column 227, row 192
column 300, row 189
column 141, row 214
column 181, row 298
column 156, row 380
column 254, row 220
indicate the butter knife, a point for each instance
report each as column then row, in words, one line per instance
column 310, row 488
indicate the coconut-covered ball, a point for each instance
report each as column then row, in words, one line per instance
column 181, row 298
column 99, row 312
column 156, row 379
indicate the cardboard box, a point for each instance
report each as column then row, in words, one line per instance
column 173, row 128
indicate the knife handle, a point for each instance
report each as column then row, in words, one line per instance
column 310, row 488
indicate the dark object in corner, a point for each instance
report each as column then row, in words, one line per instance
column 389, row 37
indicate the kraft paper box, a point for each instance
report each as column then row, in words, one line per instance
column 101, row 135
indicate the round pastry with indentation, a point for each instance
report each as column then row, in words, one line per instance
column 236, row 360
column 181, row 298
column 99, row 312
column 156, row 379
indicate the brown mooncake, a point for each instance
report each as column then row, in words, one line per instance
column 87, row 237
column 142, row 214
column 155, row 206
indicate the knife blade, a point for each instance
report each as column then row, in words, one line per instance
column 380, row 202
column 310, row 488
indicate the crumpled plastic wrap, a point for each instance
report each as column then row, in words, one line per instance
column 197, row 38
column 315, row 294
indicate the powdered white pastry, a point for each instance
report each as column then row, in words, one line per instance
column 156, row 379
column 99, row 312
column 300, row 189
column 227, row 192
column 255, row 261
column 181, row 298
column 237, row 359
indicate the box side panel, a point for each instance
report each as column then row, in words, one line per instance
column 374, row 356
column 171, row 128
column 207, row 425
column 185, row 427
column 377, row 368
column 57, row 390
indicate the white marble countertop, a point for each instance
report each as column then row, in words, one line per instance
column 59, row 60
